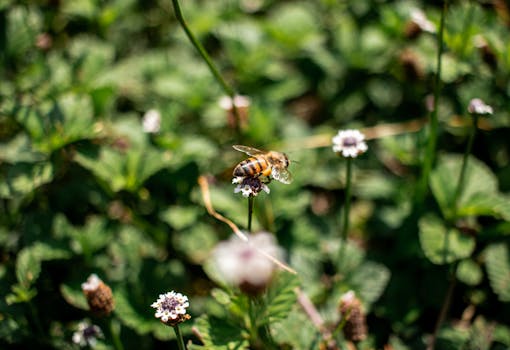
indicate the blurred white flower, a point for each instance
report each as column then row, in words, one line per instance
column 87, row 334
column 243, row 263
column 249, row 186
column 478, row 106
column 421, row 20
column 349, row 143
column 240, row 101
column 151, row 121
column 171, row 308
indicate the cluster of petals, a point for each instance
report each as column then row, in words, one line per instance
column 249, row 186
column 349, row 143
column 244, row 263
column 171, row 307
column 478, row 106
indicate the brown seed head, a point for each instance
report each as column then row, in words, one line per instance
column 99, row 296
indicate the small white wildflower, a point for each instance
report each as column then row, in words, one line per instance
column 478, row 106
column 421, row 20
column 87, row 334
column 171, row 308
column 242, row 263
column 92, row 283
column 151, row 121
column 349, row 143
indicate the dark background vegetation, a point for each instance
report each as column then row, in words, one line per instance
column 85, row 190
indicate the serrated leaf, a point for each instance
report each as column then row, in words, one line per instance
column 370, row 280
column 74, row 296
column 23, row 178
column 497, row 261
column 130, row 316
column 442, row 245
column 28, row 267
column 219, row 334
column 28, row 262
column 469, row 272
column 296, row 330
column 444, row 179
column 280, row 298
column 54, row 124
column 486, row 204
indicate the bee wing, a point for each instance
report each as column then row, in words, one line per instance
column 251, row 151
column 282, row 175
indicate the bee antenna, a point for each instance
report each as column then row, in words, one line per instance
column 294, row 161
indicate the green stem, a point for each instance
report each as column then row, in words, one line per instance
column 115, row 333
column 462, row 176
column 347, row 208
column 201, row 50
column 250, row 211
column 178, row 14
column 178, row 335
column 430, row 150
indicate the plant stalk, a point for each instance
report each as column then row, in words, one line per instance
column 430, row 150
column 205, row 56
column 251, row 200
column 444, row 308
column 178, row 335
column 462, row 176
column 114, row 331
column 347, row 208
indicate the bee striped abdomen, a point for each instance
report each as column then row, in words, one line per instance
column 253, row 166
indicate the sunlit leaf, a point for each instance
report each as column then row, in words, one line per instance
column 219, row 334
column 370, row 280
column 497, row 261
column 442, row 245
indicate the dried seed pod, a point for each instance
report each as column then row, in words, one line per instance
column 99, row 296
column 355, row 327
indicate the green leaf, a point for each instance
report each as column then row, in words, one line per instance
column 123, row 171
column 130, row 316
column 486, row 204
column 54, row 124
column 220, row 334
column 23, row 178
column 469, row 272
column 28, row 262
column 280, row 298
column 296, row 330
column 479, row 180
column 74, row 296
column 442, row 245
column 180, row 217
column 497, row 260
column 370, row 280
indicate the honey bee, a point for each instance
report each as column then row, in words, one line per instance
column 267, row 164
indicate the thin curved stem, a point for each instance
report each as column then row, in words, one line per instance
column 462, row 176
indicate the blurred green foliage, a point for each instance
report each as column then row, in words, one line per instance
column 84, row 189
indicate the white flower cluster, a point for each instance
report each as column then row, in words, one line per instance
column 151, row 121
column 478, row 106
column 421, row 20
column 349, row 143
column 92, row 283
column 249, row 186
column 243, row 263
column 87, row 334
column 171, row 307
